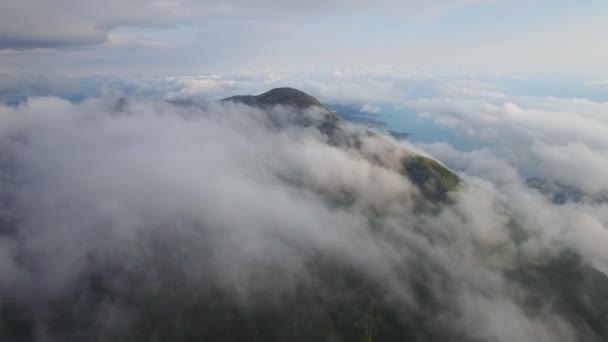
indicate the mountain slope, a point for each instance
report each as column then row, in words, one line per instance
column 563, row 193
column 433, row 179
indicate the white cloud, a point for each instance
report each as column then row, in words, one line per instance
column 564, row 139
column 553, row 225
column 557, row 138
column 371, row 109
column 221, row 199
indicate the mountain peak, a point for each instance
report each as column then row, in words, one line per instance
column 278, row 96
column 433, row 179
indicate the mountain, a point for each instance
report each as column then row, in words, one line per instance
column 279, row 96
column 433, row 179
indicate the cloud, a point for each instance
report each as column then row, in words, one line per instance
column 600, row 84
column 563, row 139
column 38, row 24
column 370, row 109
column 556, row 138
column 530, row 131
column 564, row 163
column 34, row 24
column 224, row 206
column 552, row 223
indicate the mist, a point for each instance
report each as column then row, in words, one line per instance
column 137, row 219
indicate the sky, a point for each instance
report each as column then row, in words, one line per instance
column 190, row 37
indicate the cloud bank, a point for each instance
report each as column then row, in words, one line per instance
column 136, row 219
column 562, row 139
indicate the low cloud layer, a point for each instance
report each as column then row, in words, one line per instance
column 562, row 139
column 138, row 219
column 559, row 138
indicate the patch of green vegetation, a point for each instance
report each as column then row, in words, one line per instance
column 293, row 98
column 433, row 179
column 288, row 96
column 368, row 325
column 278, row 96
